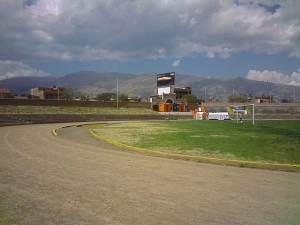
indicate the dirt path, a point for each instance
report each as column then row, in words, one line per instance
column 74, row 179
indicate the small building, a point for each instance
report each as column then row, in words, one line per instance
column 178, row 91
column 212, row 100
column 264, row 99
column 167, row 99
column 5, row 93
column 46, row 92
column 181, row 91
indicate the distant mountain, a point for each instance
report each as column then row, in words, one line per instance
column 22, row 85
column 93, row 83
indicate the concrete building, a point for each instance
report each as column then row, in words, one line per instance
column 46, row 93
column 167, row 99
column 5, row 93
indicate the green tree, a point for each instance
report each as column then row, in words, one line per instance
column 190, row 98
column 285, row 101
column 241, row 98
column 103, row 97
column 67, row 94
column 123, row 98
column 81, row 95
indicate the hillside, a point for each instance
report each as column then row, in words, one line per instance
column 93, row 83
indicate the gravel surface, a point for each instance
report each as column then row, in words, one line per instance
column 75, row 179
column 81, row 135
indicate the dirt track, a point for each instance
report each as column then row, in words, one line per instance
column 74, row 179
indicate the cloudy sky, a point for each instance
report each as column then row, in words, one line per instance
column 259, row 40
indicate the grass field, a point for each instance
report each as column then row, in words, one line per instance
column 266, row 141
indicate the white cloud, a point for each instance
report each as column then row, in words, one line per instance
column 275, row 77
column 126, row 30
column 161, row 51
column 210, row 55
column 9, row 69
column 176, row 63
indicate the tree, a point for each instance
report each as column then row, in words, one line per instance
column 123, row 98
column 81, row 95
column 241, row 98
column 190, row 98
column 285, row 101
column 103, row 97
column 66, row 93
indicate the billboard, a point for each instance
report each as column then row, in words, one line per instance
column 163, row 90
column 165, row 79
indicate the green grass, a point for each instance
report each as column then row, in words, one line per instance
column 266, row 141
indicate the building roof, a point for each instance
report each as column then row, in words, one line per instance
column 49, row 88
column 5, row 91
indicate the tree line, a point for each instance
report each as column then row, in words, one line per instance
column 69, row 94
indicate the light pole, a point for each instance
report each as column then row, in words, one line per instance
column 57, row 88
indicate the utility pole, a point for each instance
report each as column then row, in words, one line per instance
column 57, row 88
column 117, row 92
column 1, row 87
column 205, row 94
column 294, row 95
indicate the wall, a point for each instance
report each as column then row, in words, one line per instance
column 210, row 107
column 64, row 103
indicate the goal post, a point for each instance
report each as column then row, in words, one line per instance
column 253, row 118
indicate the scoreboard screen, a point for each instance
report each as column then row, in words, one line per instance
column 165, row 79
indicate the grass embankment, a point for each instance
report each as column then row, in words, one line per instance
column 266, row 141
column 85, row 110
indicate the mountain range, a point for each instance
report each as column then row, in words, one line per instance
column 93, row 83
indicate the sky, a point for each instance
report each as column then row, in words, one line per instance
column 255, row 39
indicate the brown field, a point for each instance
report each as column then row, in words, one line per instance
column 75, row 179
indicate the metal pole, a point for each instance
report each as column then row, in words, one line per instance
column 253, row 114
column 1, row 87
column 294, row 95
column 57, row 88
column 117, row 93
column 205, row 94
